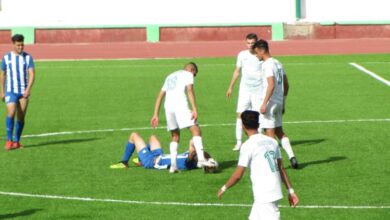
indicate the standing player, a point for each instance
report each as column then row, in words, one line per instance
column 177, row 113
column 262, row 155
column 273, row 96
column 250, row 86
column 17, row 71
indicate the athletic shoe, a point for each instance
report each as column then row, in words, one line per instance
column 119, row 165
column 16, row 145
column 205, row 163
column 8, row 145
column 173, row 169
column 294, row 163
column 137, row 162
column 237, row 147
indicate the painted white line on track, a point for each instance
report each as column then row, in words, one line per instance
column 166, row 203
column 204, row 125
column 370, row 73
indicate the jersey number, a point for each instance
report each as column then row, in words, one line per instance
column 280, row 76
column 270, row 156
column 171, row 83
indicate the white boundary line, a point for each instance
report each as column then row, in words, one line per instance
column 204, row 125
column 87, row 199
column 370, row 73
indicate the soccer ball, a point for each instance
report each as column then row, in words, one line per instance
column 213, row 168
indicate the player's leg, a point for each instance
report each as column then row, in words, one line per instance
column 173, row 127
column 10, row 100
column 134, row 141
column 286, row 145
column 21, row 110
column 268, row 120
column 244, row 103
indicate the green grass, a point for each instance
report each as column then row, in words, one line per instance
column 343, row 164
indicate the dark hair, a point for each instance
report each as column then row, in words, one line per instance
column 250, row 119
column 251, row 36
column 194, row 65
column 261, row 44
column 17, row 38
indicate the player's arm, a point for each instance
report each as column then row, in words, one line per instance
column 191, row 97
column 236, row 176
column 292, row 196
column 31, row 78
column 268, row 94
column 235, row 76
column 157, row 106
column 286, row 87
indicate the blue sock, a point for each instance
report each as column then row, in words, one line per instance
column 9, row 123
column 18, row 130
column 130, row 147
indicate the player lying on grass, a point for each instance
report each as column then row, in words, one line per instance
column 151, row 155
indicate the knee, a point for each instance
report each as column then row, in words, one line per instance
column 133, row 135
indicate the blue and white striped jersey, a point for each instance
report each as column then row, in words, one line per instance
column 16, row 68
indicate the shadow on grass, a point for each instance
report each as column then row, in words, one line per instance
column 62, row 142
column 226, row 164
column 307, row 142
column 317, row 162
column 20, row 214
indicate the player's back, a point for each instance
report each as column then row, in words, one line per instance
column 263, row 152
column 175, row 87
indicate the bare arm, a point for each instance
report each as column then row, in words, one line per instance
column 2, row 79
column 235, row 76
column 236, row 176
column 268, row 94
column 157, row 106
column 292, row 196
column 191, row 97
column 31, row 78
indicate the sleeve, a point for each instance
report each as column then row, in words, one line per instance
column 268, row 70
column 164, row 88
column 239, row 61
column 3, row 65
column 245, row 157
column 31, row 64
column 189, row 80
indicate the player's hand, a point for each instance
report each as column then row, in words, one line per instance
column 220, row 193
column 293, row 199
column 194, row 115
column 26, row 94
column 154, row 121
column 263, row 108
column 229, row 93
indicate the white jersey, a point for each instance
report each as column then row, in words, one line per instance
column 16, row 68
column 175, row 87
column 273, row 68
column 250, row 67
column 260, row 154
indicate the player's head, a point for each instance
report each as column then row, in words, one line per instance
column 18, row 42
column 261, row 49
column 250, row 40
column 250, row 120
column 191, row 67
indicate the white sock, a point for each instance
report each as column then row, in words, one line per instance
column 287, row 147
column 173, row 151
column 239, row 131
column 198, row 147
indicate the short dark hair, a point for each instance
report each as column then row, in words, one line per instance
column 194, row 65
column 251, row 36
column 261, row 44
column 17, row 38
column 250, row 119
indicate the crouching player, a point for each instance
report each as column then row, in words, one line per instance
column 151, row 155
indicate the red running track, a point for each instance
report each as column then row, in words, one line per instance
column 200, row 49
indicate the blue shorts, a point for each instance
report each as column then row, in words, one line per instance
column 146, row 156
column 11, row 97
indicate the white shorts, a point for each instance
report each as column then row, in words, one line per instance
column 272, row 118
column 248, row 101
column 179, row 119
column 265, row 211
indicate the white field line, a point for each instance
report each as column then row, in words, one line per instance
column 204, row 125
column 370, row 73
column 88, row 199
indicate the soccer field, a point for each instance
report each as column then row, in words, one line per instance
column 81, row 113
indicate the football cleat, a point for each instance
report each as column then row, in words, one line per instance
column 16, row 145
column 205, row 163
column 173, row 169
column 8, row 145
column 120, row 165
column 294, row 163
column 137, row 162
column 237, row 147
